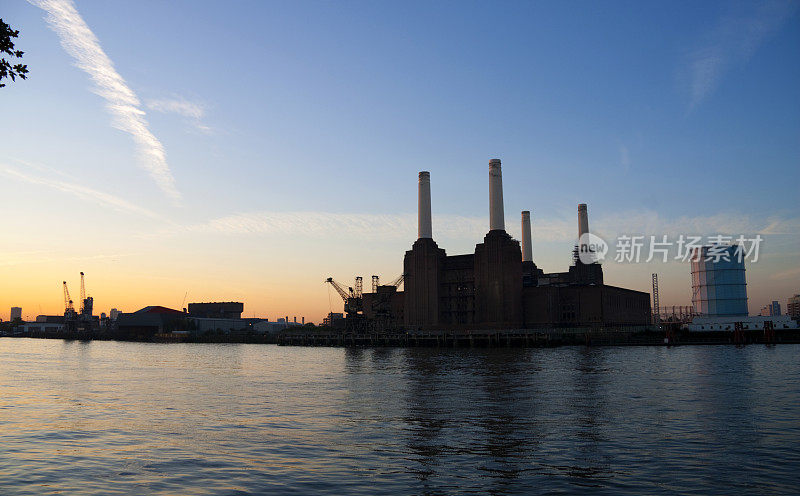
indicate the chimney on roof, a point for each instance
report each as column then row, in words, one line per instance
column 527, row 248
column 583, row 220
column 424, row 229
column 496, row 220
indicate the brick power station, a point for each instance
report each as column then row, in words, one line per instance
column 498, row 286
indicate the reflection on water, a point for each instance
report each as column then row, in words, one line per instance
column 131, row 418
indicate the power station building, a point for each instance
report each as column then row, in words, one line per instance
column 499, row 286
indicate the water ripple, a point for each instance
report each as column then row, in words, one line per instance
column 203, row 419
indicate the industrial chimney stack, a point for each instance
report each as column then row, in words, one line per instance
column 583, row 220
column 497, row 266
column 422, row 266
column 496, row 220
column 424, row 229
column 527, row 249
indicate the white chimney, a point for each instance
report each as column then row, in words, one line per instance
column 496, row 220
column 583, row 220
column 527, row 248
column 424, row 229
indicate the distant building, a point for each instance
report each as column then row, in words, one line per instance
column 50, row 319
column 41, row 328
column 267, row 327
column 227, row 326
column 16, row 313
column 113, row 314
column 332, row 319
column 793, row 307
column 771, row 310
column 216, row 310
column 149, row 321
column 88, row 306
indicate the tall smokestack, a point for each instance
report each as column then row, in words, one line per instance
column 583, row 220
column 496, row 220
column 527, row 248
column 424, row 229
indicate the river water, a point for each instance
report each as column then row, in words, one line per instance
column 139, row 418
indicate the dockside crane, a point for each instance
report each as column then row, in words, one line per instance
column 69, row 308
column 87, row 303
column 70, row 317
column 80, row 322
column 83, row 293
column 339, row 288
column 353, row 298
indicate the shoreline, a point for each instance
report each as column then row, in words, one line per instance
column 536, row 338
column 517, row 338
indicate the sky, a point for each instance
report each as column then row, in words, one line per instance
column 205, row 151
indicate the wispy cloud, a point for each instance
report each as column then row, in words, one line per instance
column 648, row 222
column 403, row 226
column 365, row 226
column 79, row 191
column 12, row 259
column 732, row 41
column 192, row 111
column 122, row 103
column 177, row 106
column 313, row 224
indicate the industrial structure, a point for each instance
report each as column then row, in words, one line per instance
column 719, row 286
column 384, row 305
column 352, row 297
column 719, row 293
column 498, row 286
column 676, row 314
column 656, row 303
column 80, row 322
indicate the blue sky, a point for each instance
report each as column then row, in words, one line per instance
column 288, row 128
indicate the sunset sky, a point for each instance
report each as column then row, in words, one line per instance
column 248, row 150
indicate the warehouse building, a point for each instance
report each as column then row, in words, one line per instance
column 217, row 310
column 145, row 323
